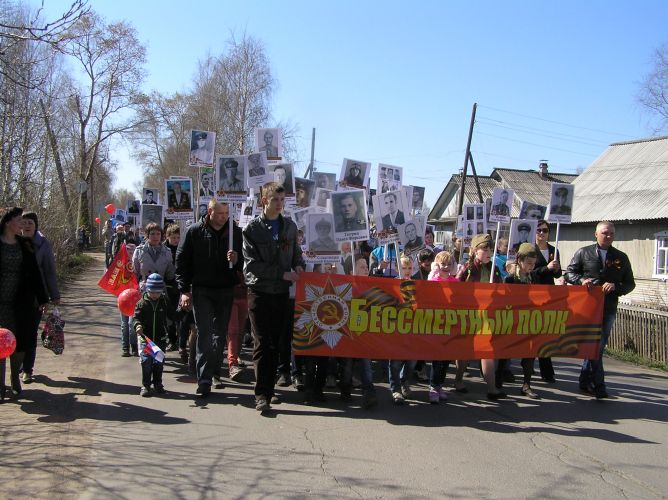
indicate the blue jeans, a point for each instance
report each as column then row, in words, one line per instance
column 128, row 335
column 400, row 371
column 211, row 309
column 437, row 373
column 592, row 369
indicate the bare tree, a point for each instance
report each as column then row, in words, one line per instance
column 18, row 27
column 653, row 93
column 111, row 59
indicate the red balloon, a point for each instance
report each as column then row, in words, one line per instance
column 7, row 343
column 109, row 208
column 127, row 301
column 97, row 219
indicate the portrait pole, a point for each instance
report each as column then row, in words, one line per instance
column 352, row 249
column 496, row 244
column 397, row 259
column 231, row 236
column 556, row 240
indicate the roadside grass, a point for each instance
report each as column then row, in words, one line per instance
column 631, row 357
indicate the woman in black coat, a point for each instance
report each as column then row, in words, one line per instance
column 21, row 289
column 546, row 271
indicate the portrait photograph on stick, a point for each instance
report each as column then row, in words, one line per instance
column 179, row 198
column 202, row 147
column 150, row 196
column 502, row 204
column 350, row 218
column 521, row 231
column 270, row 142
column 561, row 203
column 355, row 173
column 531, row 210
column 151, row 213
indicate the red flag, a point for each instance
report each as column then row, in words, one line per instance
column 119, row 275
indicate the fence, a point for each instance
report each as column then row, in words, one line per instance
column 641, row 331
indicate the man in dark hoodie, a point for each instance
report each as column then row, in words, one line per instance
column 206, row 281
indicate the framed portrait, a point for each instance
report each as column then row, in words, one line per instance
column 531, row 210
column 179, row 198
column 151, row 213
column 502, row 204
column 256, row 170
column 355, row 173
column 207, row 182
column 202, row 207
column 230, row 176
column 320, row 234
column 283, row 175
column 270, row 142
column 150, row 196
column 390, row 211
column 304, row 191
column 389, row 178
column 521, row 231
column 325, row 180
column 298, row 215
column 372, row 193
column 322, row 197
column 561, row 203
column 120, row 215
column 411, row 235
column 133, row 206
column 418, row 198
column 202, row 147
column 350, row 218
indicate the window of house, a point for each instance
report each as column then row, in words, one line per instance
column 661, row 255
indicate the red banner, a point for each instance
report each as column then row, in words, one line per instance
column 119, row 275
column 381, row 318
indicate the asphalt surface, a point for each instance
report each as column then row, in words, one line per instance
column 82, row 431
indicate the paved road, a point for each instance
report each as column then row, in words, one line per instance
column 83, row 431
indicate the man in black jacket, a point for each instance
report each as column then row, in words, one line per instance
column 206, row 281
column 272, row 262
column 601, row 265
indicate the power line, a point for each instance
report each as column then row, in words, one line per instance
column 549, row 134
column 554, row 121
column 538, row 145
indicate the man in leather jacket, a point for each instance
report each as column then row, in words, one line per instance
column 273, row 262
column 206, row 282
column 601, row 265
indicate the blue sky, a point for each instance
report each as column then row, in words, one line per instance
column 394, row 82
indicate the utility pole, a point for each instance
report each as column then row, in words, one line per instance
column 466, row 160
column 310, row 168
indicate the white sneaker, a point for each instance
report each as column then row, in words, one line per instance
column 398, row 398
column 443, row 394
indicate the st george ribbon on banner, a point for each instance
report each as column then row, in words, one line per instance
column 380, row 318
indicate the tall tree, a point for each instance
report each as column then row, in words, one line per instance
column 111, row 62
column 653, row 93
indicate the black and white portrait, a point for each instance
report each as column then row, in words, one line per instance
column 390, row 211
column 389, row 178
column 320, row 234
column 521, row 231
column 470, row 213
column 150, row 196
column 230, row 170
column 303, row 192
column 207, row 182
column 531, row 210
column 269, row 141
column 256, row 164
column 283, row 175
column 322, row 196
column 412, row 237
column 202, row 146
column 133, row 206
column 325, row 180
column 151, row 213
column 350, row 219
column 298, row 215
column 354, row 173
column 502, row 203
column 561, row 203
column 418, row 197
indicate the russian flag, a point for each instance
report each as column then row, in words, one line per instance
column 151, row 349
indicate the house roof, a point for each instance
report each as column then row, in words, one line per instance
column 629, row 181
column 528, row 185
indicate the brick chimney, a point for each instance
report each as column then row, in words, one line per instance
column 542, row 168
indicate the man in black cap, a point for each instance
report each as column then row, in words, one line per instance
column 199, row 153
column 523, row 230
column 561, row 207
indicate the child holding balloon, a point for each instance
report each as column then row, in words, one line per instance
column 150, row 323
